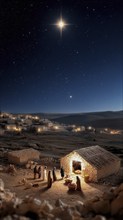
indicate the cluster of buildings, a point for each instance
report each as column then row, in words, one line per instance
column 11, row 123
column 24, row 122
column 110, row 131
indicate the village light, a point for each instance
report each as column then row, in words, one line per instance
column 16, row 129
column 73, row 126
column 89, row 127
column 36, row 117
column 56, row 127
column 39, row 130
column 114, row 132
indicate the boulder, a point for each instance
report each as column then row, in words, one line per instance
column 99, row 217
column 7, row 196
column 117, row 205
column 59, row 203
column 23, row 156
column 101, row 207
column 108, row 195
column 11, row 169
column 29, row 204
column 81, row 208
column 1, row 185
column 121, row 187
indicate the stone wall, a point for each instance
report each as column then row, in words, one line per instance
column 91, row 172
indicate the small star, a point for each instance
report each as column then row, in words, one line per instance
column 71, row 96
column 31, row 5
column 13, row 62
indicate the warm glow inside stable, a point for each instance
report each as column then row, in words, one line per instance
column 76, row 158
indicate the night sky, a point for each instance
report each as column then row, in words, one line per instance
column 42, row 71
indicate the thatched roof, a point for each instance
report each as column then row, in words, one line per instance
column 97, row 156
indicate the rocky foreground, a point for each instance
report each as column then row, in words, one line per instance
column 107, row 207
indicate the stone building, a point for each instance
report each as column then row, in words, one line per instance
column 23, row 156
column 94, row 161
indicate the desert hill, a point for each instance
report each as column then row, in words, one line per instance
column 111, row 119
column 97, row 119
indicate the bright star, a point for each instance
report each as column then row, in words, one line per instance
column 71, row 96
column 61, row 24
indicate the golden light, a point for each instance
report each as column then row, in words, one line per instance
column 89, row 128
column 39, row 130
column 114, row 132
column 56, row 127
column 16, row 129
column 61, row 24
column 36, row 117
column 76, row 157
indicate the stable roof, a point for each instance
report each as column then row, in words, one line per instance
column 97, row 156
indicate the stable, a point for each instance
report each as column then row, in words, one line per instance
column 94, row 162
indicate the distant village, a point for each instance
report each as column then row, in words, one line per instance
column 16, row 124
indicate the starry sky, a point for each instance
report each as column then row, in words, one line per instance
column 42, row 71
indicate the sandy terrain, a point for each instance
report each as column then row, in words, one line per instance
column 58, row 189
column 53, row 146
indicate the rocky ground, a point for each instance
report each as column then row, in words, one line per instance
column 107, row 205
column 21, row 195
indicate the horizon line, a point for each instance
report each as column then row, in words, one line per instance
column 61, row 112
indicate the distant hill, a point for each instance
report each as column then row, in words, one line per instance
column 96, row 119
column 111, row 119
column 51, row 115
column 116, row 123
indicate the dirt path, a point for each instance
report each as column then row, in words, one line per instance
column 57, row 191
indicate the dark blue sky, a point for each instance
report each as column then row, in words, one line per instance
column 42, row 72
